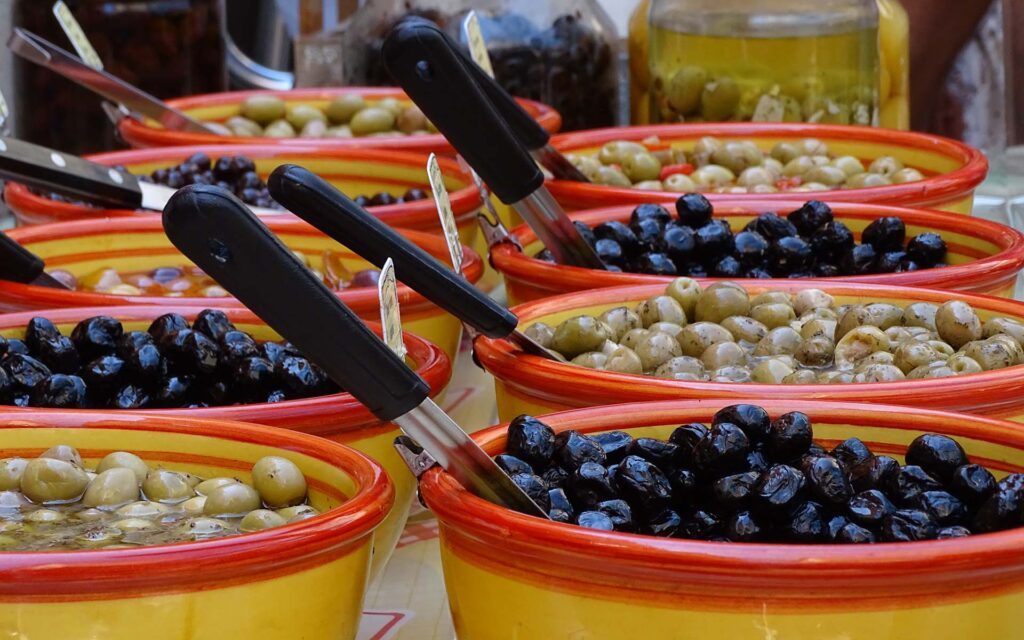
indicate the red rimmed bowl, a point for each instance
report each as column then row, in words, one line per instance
column 305, row 579
column 338, row 417
column 505, row 570
column 531, row 384
column 217, row 107
column 952, row 169
column 139, row 244
column 984, row 257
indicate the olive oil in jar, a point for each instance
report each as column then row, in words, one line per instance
column 722, row 60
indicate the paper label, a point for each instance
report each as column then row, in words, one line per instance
column 390, row 315
column 4, row 114
column 444, row 210
column 74, row 32
column 477, row 45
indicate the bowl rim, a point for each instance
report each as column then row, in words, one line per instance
column 362, row 300
column 141, row 134
column 932, row 190
column 91, row 574
column 338, row 412
column 511, row 366
column 507, row 259
column 885, row 566
column 465, row 201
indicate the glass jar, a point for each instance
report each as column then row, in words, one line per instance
column 770, row 61
column 894, row 65
column 559, row 52
column 169, row 48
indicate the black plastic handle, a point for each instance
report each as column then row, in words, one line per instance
column 17, row 263
column 440, row 80
column 67, row 175
column 218, row 232
column 320, row 204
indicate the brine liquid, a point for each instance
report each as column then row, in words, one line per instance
column 788, row 68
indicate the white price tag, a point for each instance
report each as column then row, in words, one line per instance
column 390, row 315
column 477, row 45
column 444, row 210
column 74, row 32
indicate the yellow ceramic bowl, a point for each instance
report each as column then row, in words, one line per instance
column 531, row 384
column 138, row 243
column 302, row 580
column 338, row 417
column 514, row 576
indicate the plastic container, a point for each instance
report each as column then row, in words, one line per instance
column 505, row 570
column 953, row 170
column 338, row 417
column 221, row 106
column 310, row 575
column 139, row 244
column 985, row 257
column 534, row 385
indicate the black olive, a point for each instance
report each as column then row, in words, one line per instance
column 806, row 523
column 679, row 243
column 684, row 485
column 255, row 376
column 657, row 264
column 757, row 273
column 694, row 271
column 713, row 241
column 937, row 454
column 620, row 233
column 60, row 391
column 277, row 395
column 853, row 533
column 647, row 232
column 779, row 489
column 1001, row 510
column 650, row 211
column 790, row 436
column 174, row 391
column 926, row 249
column 145, row 364
column 756, row 461
column 531, row 440
column 945, row 508
column 25, row 371
column 555, row 476
column 585, row 232
column 6, row 387
column 595, row 520
column 808, row 218
column 589, row 485
column 754, row 420
column 831, row 242
column 642, row 484
column 59, row 354
column 213, row 323
column 908, row 265
column 382, row 199
column 874, row 473
column 561, row 509
column 302, row 379
column 771, row 226
column 788, row 255
column 572, row 449
column 825, row 270
column 859, row 261
column 166, row 325
column 545, row 255
column 868, row 508
column 972, row 483
column 834, row 525
column 96, row 336
column 827, row 481
column 238, row 345
column 885, row 234
column 608, row 250
column 103, row 375
column 851, row 452
column 3, row 346
column 40, row 330
column 413, row 194
column 694, row 210
column 533, row 487
column 733, row 491
column 20, row 400
column 662, row 454
column 195, row 353
column 751, row 248
column 908, row 525
column 909, row 483
column 619, row 512
column 665, row 524
column 218, row 393
column 953, row 532
column 699, row 525
column 890, row 262
column 130, row 397
column 743, row 526
column 727, row 267
column 615, row 445
column 723, row 449
column 131, row 342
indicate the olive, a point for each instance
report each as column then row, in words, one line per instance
column 641, row 166
column 957, row 323
column 96, row 336
column 614, row 152
column 595, row 520
column 778, row 341
column 619, row 319
column 342, row 107
column 661, row 308
column 722, row 449
column 260, row 519
column 295, row 514
column 779, row 489
column 531, row 440
column 937, row 454
column 232, row 499
column 927, row 249
column 589, row 485
column 25, row 371
column 972, row 483
column 685, row 88
column 810, row 217
column 721, row 300
column 713, row 240
column 578, row 335
column 103, row 375
column 694, row 210
column 11, row 470
column 832, row 241
column 112, row 488
column 372, row 120
column 621, row 234
column 908, row 525
column 60, row 391
column 745, row 329
column 301, row 378
column 609, row 251
column 279, row 481
column 124, row 460
column 719, row 99
column 771, row 226
column 860, row 260
column 751, row 248
column 658, row 264
column 656, row 349
column 162, row 485
column 161, row 328
column 678, row 244
column 773, row 315
column 49, row 480
column 130, row 397
column 885, row 234
column 263, row 108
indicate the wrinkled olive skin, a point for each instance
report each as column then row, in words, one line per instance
column 957, row 323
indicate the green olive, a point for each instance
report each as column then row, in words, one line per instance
column 162, row 485
column 279, row 481
column 299, row 115
column 372, row 120
column 849, row 165
column 957, row 323
column 119, row 459
column 745, row 329
column 801, row 376
column 624, row 360
column 771, row 297
column 588, row 165
column 621, row 320
column 785, row 152
column 300, row 512
column 112, row 488
column 260, row 519
column 941, row 347
column 633, row 337
column 313, row 129
column 10, row 473
column 679, row 183
column 911, row 355
column 694, row 339
column 204, row 527
column 410, row 120
column 578, row 335
column 879, row 373
column 754, row 176
column 906, row 175
column 828, row 176
column 779, row 341
column 818, row 327
column 773, row 315
column 1016, row 352
column 142, row 509
column 661, row 308
column 343, row 131
column 721, row 300
column 612, row 177
column 206, row 486
column 541, row 333
column 737, row 156
column 263, row 109
column 686, row 292
column 1005, row 326
column 641, row 166
column 591, row 360
column 45, row 516
column 681, row 364
column 49, row 480
column 866, row 181
column 815, row 352
column 920, row 314
column 731, row 374
column 964, row 364
column 89, row 515
column 194, row 506
column 878, row 357
column 279, row 129
column 859, row 343
column 65, row 453
column 342, row 107
column 232, row 500
column 937, row 369
column 719, row 99
column 798, row 167
column 770, row 371
column 670, row 328
column 656, row 349
column 712, row 175
column 616, row 151
column 724, row 354
column 243, row 127
column 685, row 88
column 885, row 166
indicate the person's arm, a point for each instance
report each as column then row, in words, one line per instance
column 939, row 29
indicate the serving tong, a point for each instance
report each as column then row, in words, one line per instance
column 225, row 239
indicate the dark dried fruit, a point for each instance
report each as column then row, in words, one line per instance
column 534, row 487
column 868, row 508
column 972, row 483
column 590, row 485
column 908, row 525
column 573, row 449
column 615, row 444
column 827, row 482
column 779, row 489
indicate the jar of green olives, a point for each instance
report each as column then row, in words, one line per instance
column 769, row 61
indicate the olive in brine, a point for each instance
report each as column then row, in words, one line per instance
column 279, row 481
